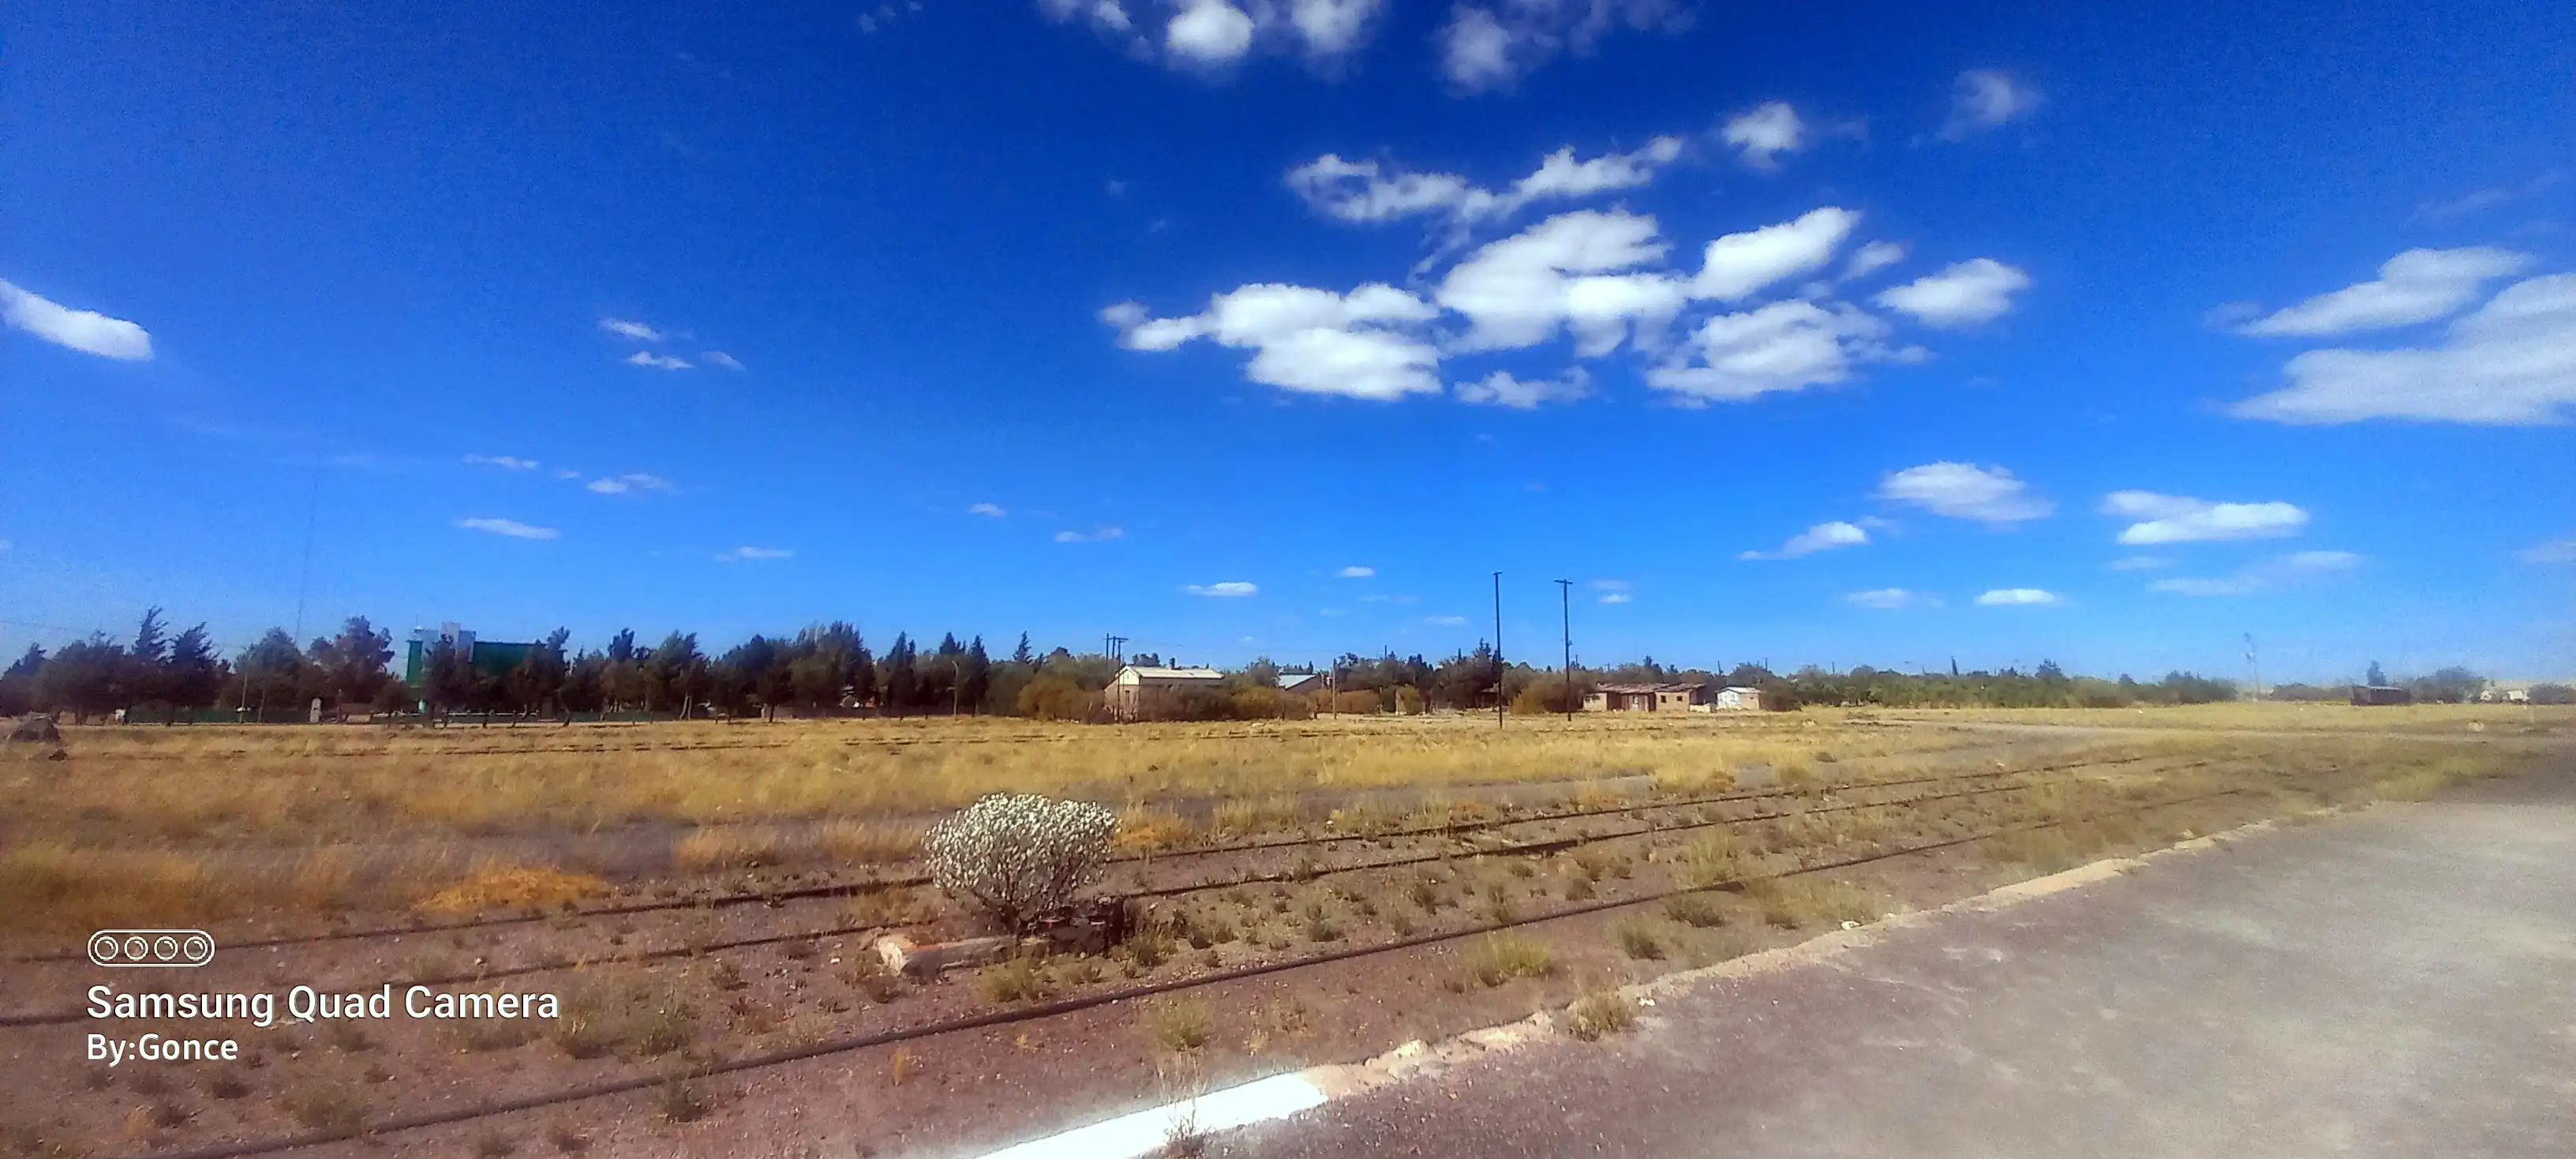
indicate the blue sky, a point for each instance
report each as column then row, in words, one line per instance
column 1866, row 335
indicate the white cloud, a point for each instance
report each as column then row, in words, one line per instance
column 1515, row 291
column 647, row 358
column 2139, row 563
column 1871, row 258
column 718, row 358
column 2181, row 519
column 2269, row 573
column 1783, row 346
column 1501, row 389
column 1485, row 49
column 2554, row 551
column 1973, row 291
column 1365, row 191
column 1309, row 340
column 2016, row 597
column 1209, row 31
column 1984, row 98
column 509, row 527
column 2511, row 361
column 740, row 554
column 1332, row 27
column 630, row 482
column 1446, row 621
column 87, row 331
column 505, row 462
column 1098, row 535
column 566, row 473
column 1356, row 572
column 1889, row 599
column 1765, row 132
column 1105, row 15
column 1964, row 491
column 2479, row 201
column 990, row 510
column 1618, row 598
column 1228, row 589
column 1740, row 264
column 632, row 331
column 1821, row 537
column 2416, row 286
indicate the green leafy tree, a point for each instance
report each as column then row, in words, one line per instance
column 18, row 684
column 2374, row 678
column 191, row 676
column 352, row 665
column 87, row 677
column 899, row 683
column 272, row 675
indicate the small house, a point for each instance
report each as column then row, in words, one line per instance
column 1645, row 697
column 1301, row 683
column 1142, row 692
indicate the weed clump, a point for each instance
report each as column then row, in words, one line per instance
column 1639, row 941
column 1180, row 1027
column 1598, row 1015
column 1501, row 958
column 1694, row 910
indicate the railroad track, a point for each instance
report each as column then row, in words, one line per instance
column 1066, row 1006
column 1295, row 876
column 851, row 889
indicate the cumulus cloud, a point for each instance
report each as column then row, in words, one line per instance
column 2273, row 572
column 632, row 481
column 1097, row 535
column 1361, row 344
column 504, row 462
column 87, row 331
column 1821, row 537
column 1483, row 49
column 2013, row 597
column 1228, row 589
column 1366, row 191
column 2555, row 551
column 2511, row 361
column 1356, row 572
column 989, row 510
column 2181, row 519
column 1762, row 134
column 1964, row 294
column 631, row 331
column 650, row 360
column 2416, row 286
column 720, row 359
column 1964, row 491
column 1982, row 99
column 1889, row 599
column 509, row 527
column 1213, row 34
column 1871, row 258
column 1783, row 346
column 741, row 554
column 1501, row 389
column 1209, row 31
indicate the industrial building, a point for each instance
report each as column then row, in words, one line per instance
column 489, row 658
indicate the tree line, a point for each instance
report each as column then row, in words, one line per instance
column 162, row 674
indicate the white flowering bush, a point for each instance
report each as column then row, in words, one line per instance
column 1019, row 854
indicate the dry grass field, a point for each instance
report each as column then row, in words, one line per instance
column 1421, row 875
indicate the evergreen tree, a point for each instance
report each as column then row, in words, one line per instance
column 2375, row 678
column 900, row 682
column 1021, row 654
column 191, row 677
column 978, row 679
column 18, row 684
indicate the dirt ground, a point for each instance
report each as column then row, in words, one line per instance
column 646, row 995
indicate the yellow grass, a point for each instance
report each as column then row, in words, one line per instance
column 500, row 885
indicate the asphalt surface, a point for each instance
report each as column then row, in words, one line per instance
column 2401, row 982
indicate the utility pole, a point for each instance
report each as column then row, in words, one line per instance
column 2253, row 667
column 1115, row 646
column 1498, row 650
column 1565, row 608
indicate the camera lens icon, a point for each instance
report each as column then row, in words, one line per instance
column 167, row 949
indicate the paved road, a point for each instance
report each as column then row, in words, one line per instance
column 2398, row 983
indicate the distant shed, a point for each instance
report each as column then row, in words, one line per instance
column 1143, row 692
column 2375, row 694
